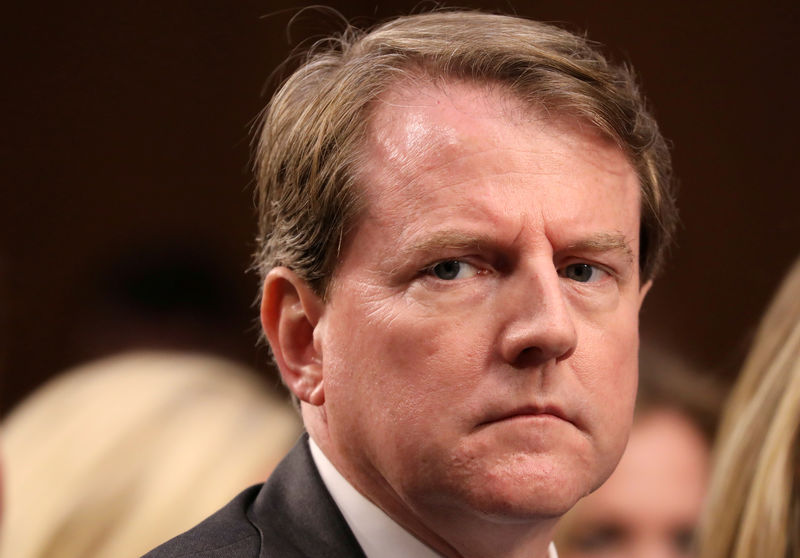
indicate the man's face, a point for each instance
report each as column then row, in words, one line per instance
column 479, row 342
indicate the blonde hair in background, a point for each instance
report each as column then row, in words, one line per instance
column 753, row 509
column 114, row 457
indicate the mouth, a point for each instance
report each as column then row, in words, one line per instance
column 551, row 412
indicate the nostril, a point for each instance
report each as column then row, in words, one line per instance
column 553, row 345
column 566, row 354
column 529, row 357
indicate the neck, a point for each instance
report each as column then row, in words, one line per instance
column 464, row 534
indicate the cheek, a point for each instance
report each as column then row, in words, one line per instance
column 606, row 362
column 423, row 340
column 606, row 365
column 390, row 351
column 430, row 365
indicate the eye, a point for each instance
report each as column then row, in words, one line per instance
column 600, row 539
column 583, row 273
column 450, row 270
column 682, row 541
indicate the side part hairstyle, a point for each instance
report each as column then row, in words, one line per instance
column 314, row 128
column 754, row 503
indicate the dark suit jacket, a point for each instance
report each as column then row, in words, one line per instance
column 292, row 515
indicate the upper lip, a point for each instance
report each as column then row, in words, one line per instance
column 549, row 409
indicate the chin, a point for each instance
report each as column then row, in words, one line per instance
column 520, row 508
column 523, row 492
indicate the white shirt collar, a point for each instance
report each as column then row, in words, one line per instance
column 378, row 534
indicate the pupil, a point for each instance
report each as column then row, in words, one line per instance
column 447, row 270
column 581, row 272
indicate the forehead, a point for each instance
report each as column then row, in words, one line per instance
column 459, row 142
column 425, row 122
column 415, row 105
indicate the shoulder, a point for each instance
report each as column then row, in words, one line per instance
column 291, row 515
column 226, row 534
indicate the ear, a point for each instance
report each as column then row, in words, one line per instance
column 290, row 310
column 643, row 290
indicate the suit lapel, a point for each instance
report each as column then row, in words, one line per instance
column 295, row 513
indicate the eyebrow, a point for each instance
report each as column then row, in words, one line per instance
column 447, row 239
column 602, row 242
column 596, row 243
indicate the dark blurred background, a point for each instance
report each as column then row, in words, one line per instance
column 126, row 208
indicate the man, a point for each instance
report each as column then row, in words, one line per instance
column 460, row 216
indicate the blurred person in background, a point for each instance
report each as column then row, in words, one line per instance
column 114, row 457
column 651, row 504
column 754, row 501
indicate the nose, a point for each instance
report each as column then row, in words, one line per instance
column 539, row 324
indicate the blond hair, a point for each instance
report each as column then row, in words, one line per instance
column 115, row 457
column 753, row 509
column 311, row 139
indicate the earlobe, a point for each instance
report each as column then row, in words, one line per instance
column 290, row 311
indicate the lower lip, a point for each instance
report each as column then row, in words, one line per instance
column 536, row 418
